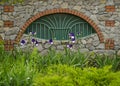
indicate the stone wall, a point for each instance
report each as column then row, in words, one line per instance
column 102, row 15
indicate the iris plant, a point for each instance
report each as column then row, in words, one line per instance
column 33, row 41
column 72, row 37
column 69, row 46
column 22, row 42
column 51, row 41
column 36, row 43
column 32, row 33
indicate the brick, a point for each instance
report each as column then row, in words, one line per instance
column 8, row 23
column 8, row 8
column 110, row 8
column 109, row 44
column 9, row 45
column 110, row 23
column 6, row 47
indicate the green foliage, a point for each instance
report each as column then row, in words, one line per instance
column 69, row 58
column 15, row 70
column 63, row 75
column 25, row 68
column 99, row 61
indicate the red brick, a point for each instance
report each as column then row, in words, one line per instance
column 8, row 23
column 110, row 8
column 110, row 23
column 109, row 44
column 8, row 8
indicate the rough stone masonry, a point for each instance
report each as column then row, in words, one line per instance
column 102, row 15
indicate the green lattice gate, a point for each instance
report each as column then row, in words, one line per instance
column 58, row 26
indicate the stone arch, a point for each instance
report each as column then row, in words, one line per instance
column 60, row 10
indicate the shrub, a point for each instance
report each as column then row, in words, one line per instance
column 63, row 75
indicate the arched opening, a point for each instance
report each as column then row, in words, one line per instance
column 57, row 26
column 41, row 15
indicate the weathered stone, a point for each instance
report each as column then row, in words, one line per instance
column 42, row 9
column 87, row 13
column 12, row 37
column 117, row 24
column 96, row 43
column 44, row 52
column 59, row 2
column 83, row 41
column 118, row 53
column 26, row 16
column 2, row 35
column 101, row 46
column 77, row 8
column 49, row 1
column 54, row 2
column 84, row 50
column 53, row 47
column 103, row 1
column 50, row 7
column 117, row 47
column 95, row 3
column 45, row 4
column 64, row 5
column 1, row 23
column 39, row 47
column 108, row 52
column 94, row 17
column 6, row 28
column 60, row 47
column 12, row 31
column 95, row 38
column 56, row 6
column 1, row 30
column 76, row 46
column 5, row 17
column 88, row 45
column 110, row 2
column 92, row 48
column 47, row 45
column 89, row 40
